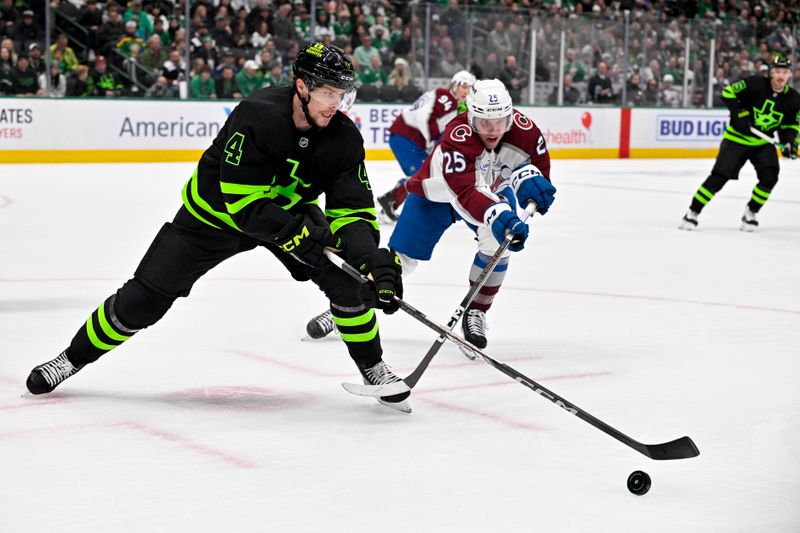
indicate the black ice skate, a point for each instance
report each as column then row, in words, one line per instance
column 381, row 374
column 321, row 325
column 749, row 222
column 474, row 326
column 689, row 221
column 387, row 208
column 46, row 377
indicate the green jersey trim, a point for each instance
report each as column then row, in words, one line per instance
column 344, row 216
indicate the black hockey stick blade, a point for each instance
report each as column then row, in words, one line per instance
column 682, row 448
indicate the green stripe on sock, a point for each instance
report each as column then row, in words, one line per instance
column 107, row 328
column 700, row 198
column 758, row 200
column 95, row 340
column 763, row 194
column 359, row 320
column 360, row 337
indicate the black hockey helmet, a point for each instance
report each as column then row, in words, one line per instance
column 779, row 60
column 320, row 64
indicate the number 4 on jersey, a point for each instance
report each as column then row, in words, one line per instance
column 233, row 149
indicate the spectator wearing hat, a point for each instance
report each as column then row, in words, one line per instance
column 69, row 61
column 207, row 51
column 301, row 21
column 249, row 78
column 58, row 82
column 35, row 58
column 226, row 85
column 27, row 31
column 400, row 76
column 228, row 60
column 222, row 33
column 203, row 86
column 275, row 76
column 103, row 82
column 669, row 96
column 142, row 19
column 23, row 78
column 130, row 44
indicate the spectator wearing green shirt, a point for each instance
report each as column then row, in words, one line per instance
column 249, row 78
column 203, row 86
column 135, row 13
column 153, row 56
column 373, row 74
column 275, row 76
column 130, row 43
column 227, row 88
column 573, row 66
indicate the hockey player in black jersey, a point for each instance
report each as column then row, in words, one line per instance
column 768, row 105
column 258, row 185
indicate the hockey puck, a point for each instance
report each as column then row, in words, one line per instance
column 639, row 483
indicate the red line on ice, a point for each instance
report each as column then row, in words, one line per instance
column 298, row 368
column 557, row 377
column 494, row 418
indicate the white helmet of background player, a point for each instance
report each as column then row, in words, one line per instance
column 489, row 107
column 460, row 84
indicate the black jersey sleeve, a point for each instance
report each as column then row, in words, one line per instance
column 245, row 176
column 790, row 125
column 349, row 205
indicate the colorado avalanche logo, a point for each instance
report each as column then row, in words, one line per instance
column 461, row 133
column 522, row 122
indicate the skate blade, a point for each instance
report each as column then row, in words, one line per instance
column 376, row 391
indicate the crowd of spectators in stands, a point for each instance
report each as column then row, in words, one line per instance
column 109, row 49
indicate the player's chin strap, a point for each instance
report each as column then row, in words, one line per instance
column 304, row 104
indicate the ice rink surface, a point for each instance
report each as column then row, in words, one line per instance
column 220, row 418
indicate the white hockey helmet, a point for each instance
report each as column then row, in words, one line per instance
column 462, row 77
column 489, row 107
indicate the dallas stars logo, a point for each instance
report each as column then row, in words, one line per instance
column 767, row 118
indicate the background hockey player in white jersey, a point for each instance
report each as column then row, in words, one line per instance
column 469, row 177
column 414, row 133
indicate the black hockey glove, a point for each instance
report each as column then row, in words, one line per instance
column 741, row 120
column 383, row 266
column 789, row 150
column 306, row 241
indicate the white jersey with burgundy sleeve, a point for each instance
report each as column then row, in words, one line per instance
column 425, row 120
column 461, row 172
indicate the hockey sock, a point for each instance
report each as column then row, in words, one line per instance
column 358, row 328
column 767, row 179
column 483, row 300
column 706, row 192
column 400, row 193
column 102, row 332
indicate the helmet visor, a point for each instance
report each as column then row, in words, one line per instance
column 338, row 98
column 491, row 126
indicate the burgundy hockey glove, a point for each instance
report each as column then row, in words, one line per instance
column 306, row 241
column 384, row 268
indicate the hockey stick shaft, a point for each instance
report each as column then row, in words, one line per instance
column 681, row 448
column 772, row 140
column 413, row 378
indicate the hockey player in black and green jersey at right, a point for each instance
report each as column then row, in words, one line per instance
column 768, row 105
column 257, row 186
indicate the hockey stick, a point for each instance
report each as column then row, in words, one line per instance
column 682, row 448
column 413, row 378
column 772, row 140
